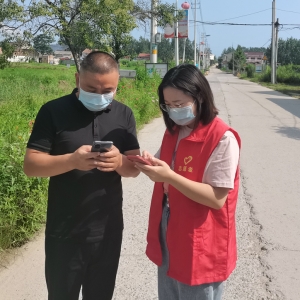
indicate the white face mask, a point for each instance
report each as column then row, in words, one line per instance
column 94, row 101
column 182, row 115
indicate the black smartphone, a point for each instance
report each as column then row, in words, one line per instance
column 101, row 146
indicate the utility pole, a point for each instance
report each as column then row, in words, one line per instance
column 153, row 45
column 273, row 66
column 183, row 55
column 276, row 47
column 204, row 49
column 232, row 60
column 195, row 45
column 176, row 38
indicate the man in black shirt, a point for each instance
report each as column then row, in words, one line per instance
column 84, row 216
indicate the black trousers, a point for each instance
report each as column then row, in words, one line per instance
column 92, row 266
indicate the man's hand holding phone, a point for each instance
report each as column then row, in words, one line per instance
column 109, row 159
column 83, row 159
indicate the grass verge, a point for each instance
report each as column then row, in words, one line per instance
column 292, row 90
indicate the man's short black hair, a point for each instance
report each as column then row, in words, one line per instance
column 99, row 62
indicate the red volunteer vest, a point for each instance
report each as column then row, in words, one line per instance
column 201, row 240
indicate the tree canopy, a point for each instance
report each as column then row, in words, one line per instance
column 288, row 51
column 96, row 24
column 41, row 43
column 239, row 58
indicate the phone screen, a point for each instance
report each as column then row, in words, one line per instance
column 139, row 159
column 101, row 146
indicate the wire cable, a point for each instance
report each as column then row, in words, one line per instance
column 233, row 24
column 266, row 42
column 201, row 15
column 241, row 24
column 243, row 15
column 294, row 12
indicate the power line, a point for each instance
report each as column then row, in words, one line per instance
column 294, row 12
column 241, row 24
column 285, row 29
column 233, row 24
column 201, row 15
column 266, row 42
column 243, row 15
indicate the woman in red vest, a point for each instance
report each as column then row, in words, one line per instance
column 191, row 234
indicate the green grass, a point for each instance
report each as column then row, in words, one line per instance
column 288, row 78
column 288, row 89
column 24, row 88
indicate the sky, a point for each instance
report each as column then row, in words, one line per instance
column 242, row 12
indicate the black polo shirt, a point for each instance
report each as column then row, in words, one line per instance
column 80, row 202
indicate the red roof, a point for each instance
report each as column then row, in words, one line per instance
column 144, row 55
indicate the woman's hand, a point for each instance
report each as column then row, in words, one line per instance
column 148, row 156
column 159, row 172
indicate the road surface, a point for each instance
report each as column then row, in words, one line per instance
column 268, row 212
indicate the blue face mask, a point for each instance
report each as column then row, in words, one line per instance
column 95, row 102
column 182, row 115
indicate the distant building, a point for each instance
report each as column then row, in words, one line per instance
column 143, row 56
column 24, row 54
column 1, row 51
column 254, row 58
column 47, row 59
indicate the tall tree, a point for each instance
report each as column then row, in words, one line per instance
column 7, row 52
column 228, row 50
column 288, row 51
column 239, row 58
column 189, row 49
column 41, row 43
column 165, row 51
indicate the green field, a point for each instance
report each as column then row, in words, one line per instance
column 23, row 89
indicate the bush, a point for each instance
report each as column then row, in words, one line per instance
column 140, row 95
column 289, row 74
column 250, row 70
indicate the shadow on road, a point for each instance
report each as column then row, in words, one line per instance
column 287, row 92
column 290, row 132
column 273, row 93
column 290, row 105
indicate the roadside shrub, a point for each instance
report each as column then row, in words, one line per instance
column 23, row 199
column 140, row 95
column 288, row 74
column 265, row 76
column 250, row 70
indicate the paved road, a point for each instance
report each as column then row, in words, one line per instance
column 268, row 221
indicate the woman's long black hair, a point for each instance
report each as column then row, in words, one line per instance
column 188, row 79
